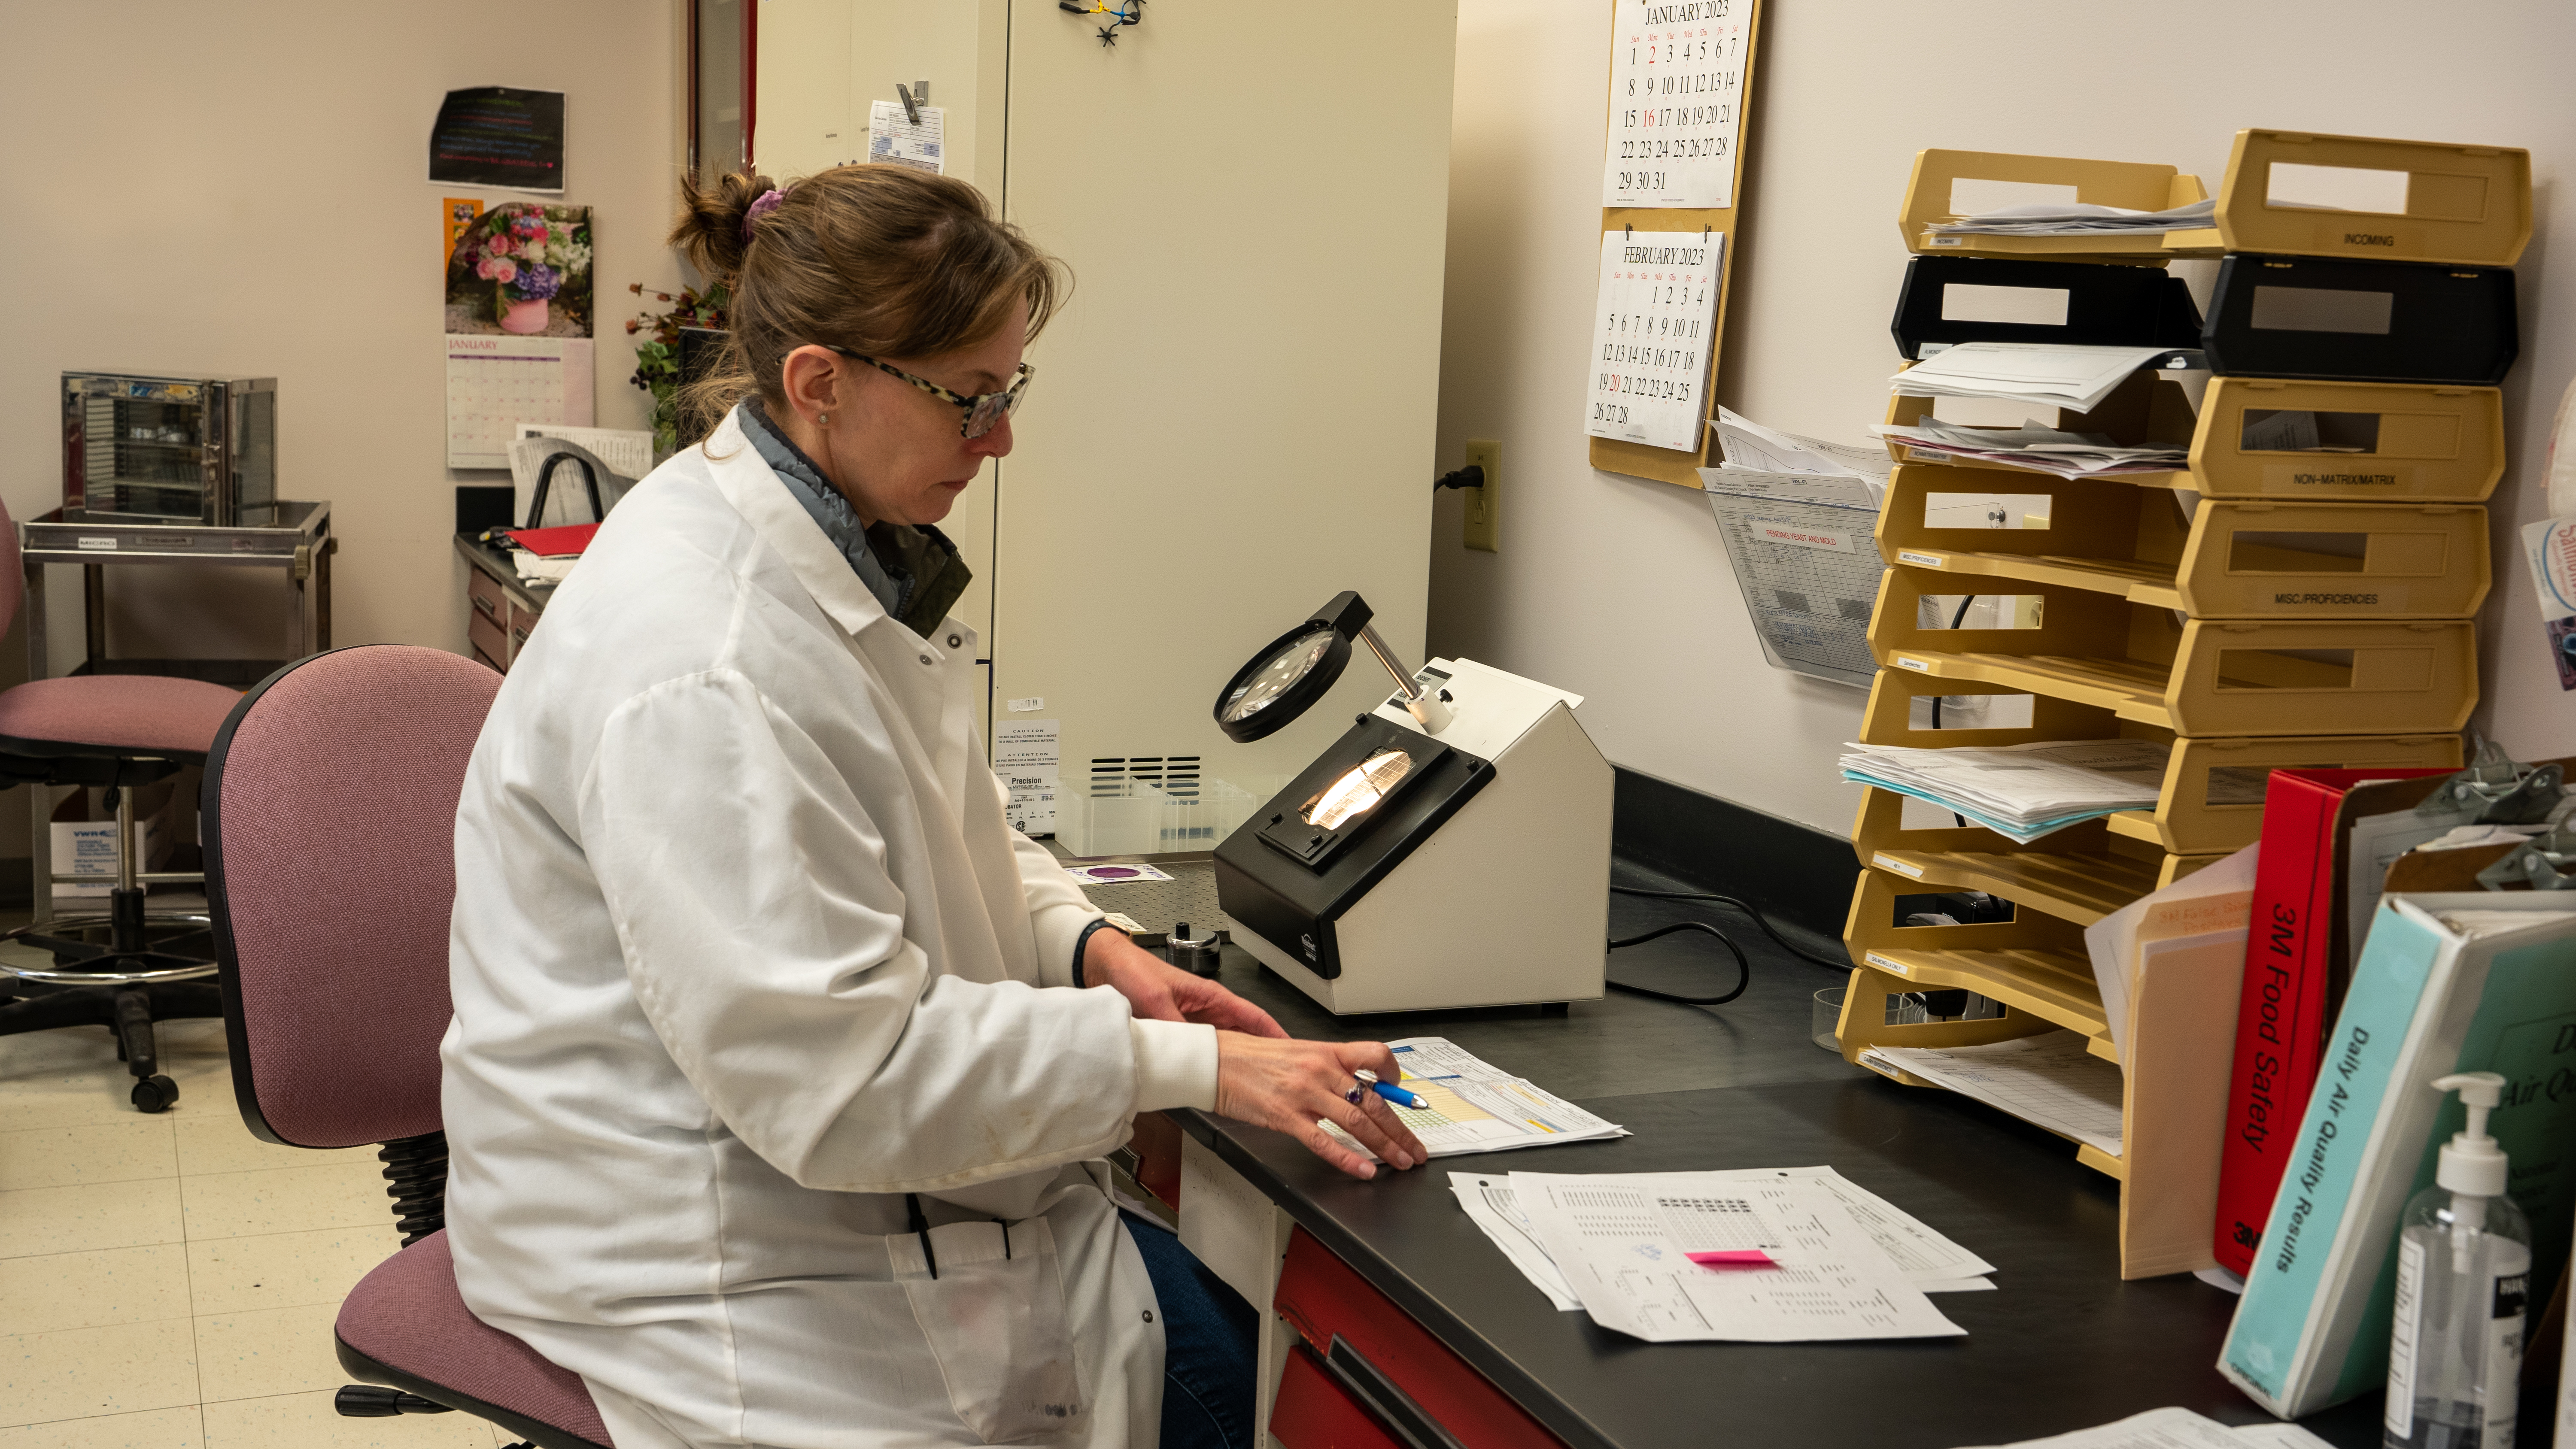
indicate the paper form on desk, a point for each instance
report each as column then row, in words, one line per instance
column 2176, row 1429
column 1929, row 1260
column 1476, row 1106
column 2039, row 374
column 1622, row 1242
column 2050, row 1080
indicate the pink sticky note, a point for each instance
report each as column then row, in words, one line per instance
column 1737, row 1258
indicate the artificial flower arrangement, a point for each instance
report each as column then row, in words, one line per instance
column 531, row 255
column 657, row 359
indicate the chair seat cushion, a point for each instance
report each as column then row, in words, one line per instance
column 408, row 1316
column 117, row 712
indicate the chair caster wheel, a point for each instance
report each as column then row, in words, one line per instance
column 155, row 1094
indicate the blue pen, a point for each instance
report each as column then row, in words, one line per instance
column 1397, row 1095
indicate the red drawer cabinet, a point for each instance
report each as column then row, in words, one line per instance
column 1325, row 1300
column 1315, row 1412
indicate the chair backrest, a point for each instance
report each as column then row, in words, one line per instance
column 13, row 573
column 329, row 822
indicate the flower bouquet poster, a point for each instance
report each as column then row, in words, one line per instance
column 520, row 268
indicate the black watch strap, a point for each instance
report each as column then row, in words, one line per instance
column 1082, row 943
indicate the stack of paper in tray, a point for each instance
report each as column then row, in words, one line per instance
column 1475, row 1106
column 1764, row 453
column 2041, row 449
column 2078, row 218
column 1768, row 1255
column 2050, row 1079
column 2023, row 791
column 2035, row 374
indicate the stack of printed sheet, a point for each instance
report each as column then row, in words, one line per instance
column 2036, row 447
column 1474, row 1106
column 2078, row 218
column 2034, row 374
column 2023, row 791
column 1765, row 1255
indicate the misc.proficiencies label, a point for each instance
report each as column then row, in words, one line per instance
column 1676, row 103
column 1926, row 560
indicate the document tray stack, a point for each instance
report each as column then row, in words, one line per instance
column 2300, row 594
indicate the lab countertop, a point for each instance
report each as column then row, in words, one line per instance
column 2061, row 1344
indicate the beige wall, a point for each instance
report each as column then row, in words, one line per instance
column 1620, row 589
column 242, row 188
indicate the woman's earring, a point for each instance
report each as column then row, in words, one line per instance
column 824, row 418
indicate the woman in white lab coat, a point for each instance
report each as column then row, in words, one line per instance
column 782, row 1066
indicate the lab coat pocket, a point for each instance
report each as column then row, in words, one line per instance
column 995, row 1318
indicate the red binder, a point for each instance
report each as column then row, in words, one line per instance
column 2290, row 983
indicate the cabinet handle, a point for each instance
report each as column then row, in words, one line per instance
column 485, row 607
column 1392, row 1408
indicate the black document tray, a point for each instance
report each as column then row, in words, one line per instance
column 2444, row 324
column 2106, row 306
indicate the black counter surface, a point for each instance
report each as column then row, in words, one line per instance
column 2062, row 1343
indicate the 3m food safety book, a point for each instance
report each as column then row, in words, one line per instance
column 2445, row 983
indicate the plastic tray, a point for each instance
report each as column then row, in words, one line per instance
column 2134, row 185
column 2465, row 204
column 2211, row 558
column 2195, row 676
column 2400, row 443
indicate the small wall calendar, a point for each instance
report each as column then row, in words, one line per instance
column 1653, row 332
column 1677, row 70
column 495, row 382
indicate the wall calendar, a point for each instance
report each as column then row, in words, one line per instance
column 1653, row 330
column 1676, row 102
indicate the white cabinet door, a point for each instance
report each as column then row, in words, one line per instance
column 1232, row 419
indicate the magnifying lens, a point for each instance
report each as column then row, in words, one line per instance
column 1299, row 667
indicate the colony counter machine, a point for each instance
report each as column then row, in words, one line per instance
column 1451, row 849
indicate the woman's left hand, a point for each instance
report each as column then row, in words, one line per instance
column 1159, row 991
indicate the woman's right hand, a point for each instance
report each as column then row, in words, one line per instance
column 1289, row 1086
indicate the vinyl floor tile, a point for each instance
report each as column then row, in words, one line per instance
column 285, row 1270
column 342, row 1194
column 267, row 1352
column 88, row 1217
column 305, row 1421
column 214, row 1140
column 94, row 1289
column 151, row 1429
column 141, row 1146
column 76, row 1373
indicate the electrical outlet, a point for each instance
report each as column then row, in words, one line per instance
column 1483, row 506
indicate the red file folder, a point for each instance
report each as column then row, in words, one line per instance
column 2290, row 986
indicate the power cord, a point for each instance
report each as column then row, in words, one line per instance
column 1743, row 966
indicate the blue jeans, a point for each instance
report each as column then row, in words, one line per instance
column 1211, row 1344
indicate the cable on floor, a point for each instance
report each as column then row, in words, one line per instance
column 1743, row 967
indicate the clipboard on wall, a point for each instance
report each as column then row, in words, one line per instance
column 1736, row 21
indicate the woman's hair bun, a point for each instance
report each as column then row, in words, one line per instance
column 710, row 231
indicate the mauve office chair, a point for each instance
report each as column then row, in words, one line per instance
column 329, row 820
column 120, row 731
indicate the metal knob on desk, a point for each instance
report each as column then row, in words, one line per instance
column 1196, row 955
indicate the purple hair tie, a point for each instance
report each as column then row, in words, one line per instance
column 768, row 202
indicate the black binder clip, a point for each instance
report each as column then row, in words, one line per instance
column 2543, row 863
column 2498, row 790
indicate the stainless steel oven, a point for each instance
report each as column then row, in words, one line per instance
column 154, row 446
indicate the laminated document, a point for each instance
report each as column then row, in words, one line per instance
column 1654, row 329
column 1474, row 1106
column 1803, row 555
column 1675, row 1257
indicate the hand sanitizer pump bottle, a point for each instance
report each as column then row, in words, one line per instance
column 2463, row 1271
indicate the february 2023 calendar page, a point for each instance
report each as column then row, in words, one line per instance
column 1653, row 330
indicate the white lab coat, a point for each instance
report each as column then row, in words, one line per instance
column 743, row 950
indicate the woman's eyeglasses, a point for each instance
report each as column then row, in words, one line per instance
column 984, row 412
